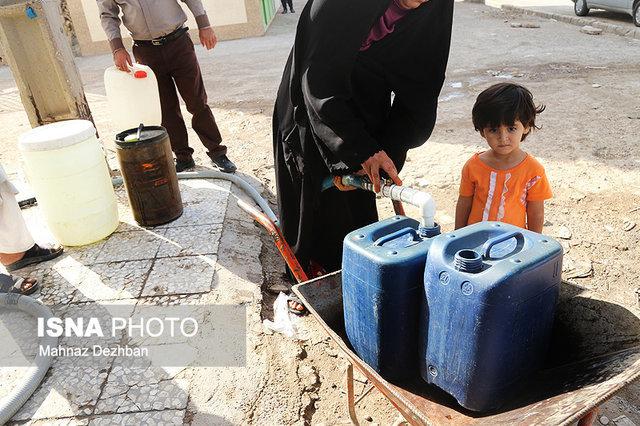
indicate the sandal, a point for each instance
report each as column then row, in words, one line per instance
column 35, row 254
column 18, row 285
column 294, row 299
column 316, row 270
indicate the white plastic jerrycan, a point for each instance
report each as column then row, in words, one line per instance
column 68, row 172
column 133, row 97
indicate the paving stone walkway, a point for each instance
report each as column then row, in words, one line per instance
column 168, row 265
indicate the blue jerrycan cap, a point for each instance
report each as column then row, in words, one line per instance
column 31, row 14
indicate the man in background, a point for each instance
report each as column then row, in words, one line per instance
column 162, row 42
column 286, row 3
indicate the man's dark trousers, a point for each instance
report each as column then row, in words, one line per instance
column 285, row 3
column 176, row 62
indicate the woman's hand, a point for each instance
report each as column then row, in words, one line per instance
column 377, row 161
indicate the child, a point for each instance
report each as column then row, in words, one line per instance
column 503, row 183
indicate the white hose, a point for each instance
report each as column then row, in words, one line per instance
column 215, row 174
column 422, row 200
column 242, row 184
column 10, row 404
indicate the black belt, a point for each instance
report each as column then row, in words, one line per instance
column 161, row 41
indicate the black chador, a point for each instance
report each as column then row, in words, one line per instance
column 338, row 105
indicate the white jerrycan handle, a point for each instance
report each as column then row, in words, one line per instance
column 135, row 67
column 132, row 69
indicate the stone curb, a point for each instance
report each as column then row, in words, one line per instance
column 579, row 21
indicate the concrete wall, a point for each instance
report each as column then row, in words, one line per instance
column 67, row 27
column 38, row 51
column 230, row 19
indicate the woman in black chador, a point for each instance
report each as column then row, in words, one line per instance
column 360, row 88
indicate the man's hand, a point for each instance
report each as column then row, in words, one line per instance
column 122, row 59
column 208, row 38
column 377, row 161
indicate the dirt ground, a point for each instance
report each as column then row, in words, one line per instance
column 588, row 144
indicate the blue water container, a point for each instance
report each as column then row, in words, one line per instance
column 382, row 278
column 489, row 302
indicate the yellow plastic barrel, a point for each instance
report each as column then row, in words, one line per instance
column 66, row 167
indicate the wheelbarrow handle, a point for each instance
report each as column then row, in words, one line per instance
column 275, row 232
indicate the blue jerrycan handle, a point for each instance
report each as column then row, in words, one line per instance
column 404, row 231
column 486, row 248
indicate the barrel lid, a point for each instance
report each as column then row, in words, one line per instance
column 56, row 135
column 148, row 134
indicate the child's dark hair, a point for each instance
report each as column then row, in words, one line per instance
column 505, row 103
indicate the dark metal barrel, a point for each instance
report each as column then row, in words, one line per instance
column 149, row 175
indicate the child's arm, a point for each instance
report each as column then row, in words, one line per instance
column 463, row 209
column 535, row 216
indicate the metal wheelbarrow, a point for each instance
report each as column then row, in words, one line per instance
column 595, row 350
column 590, row 359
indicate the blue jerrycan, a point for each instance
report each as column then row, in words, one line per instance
column 382, row 278
column 488, row 309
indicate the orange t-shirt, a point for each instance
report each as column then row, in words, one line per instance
column 502, row 195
